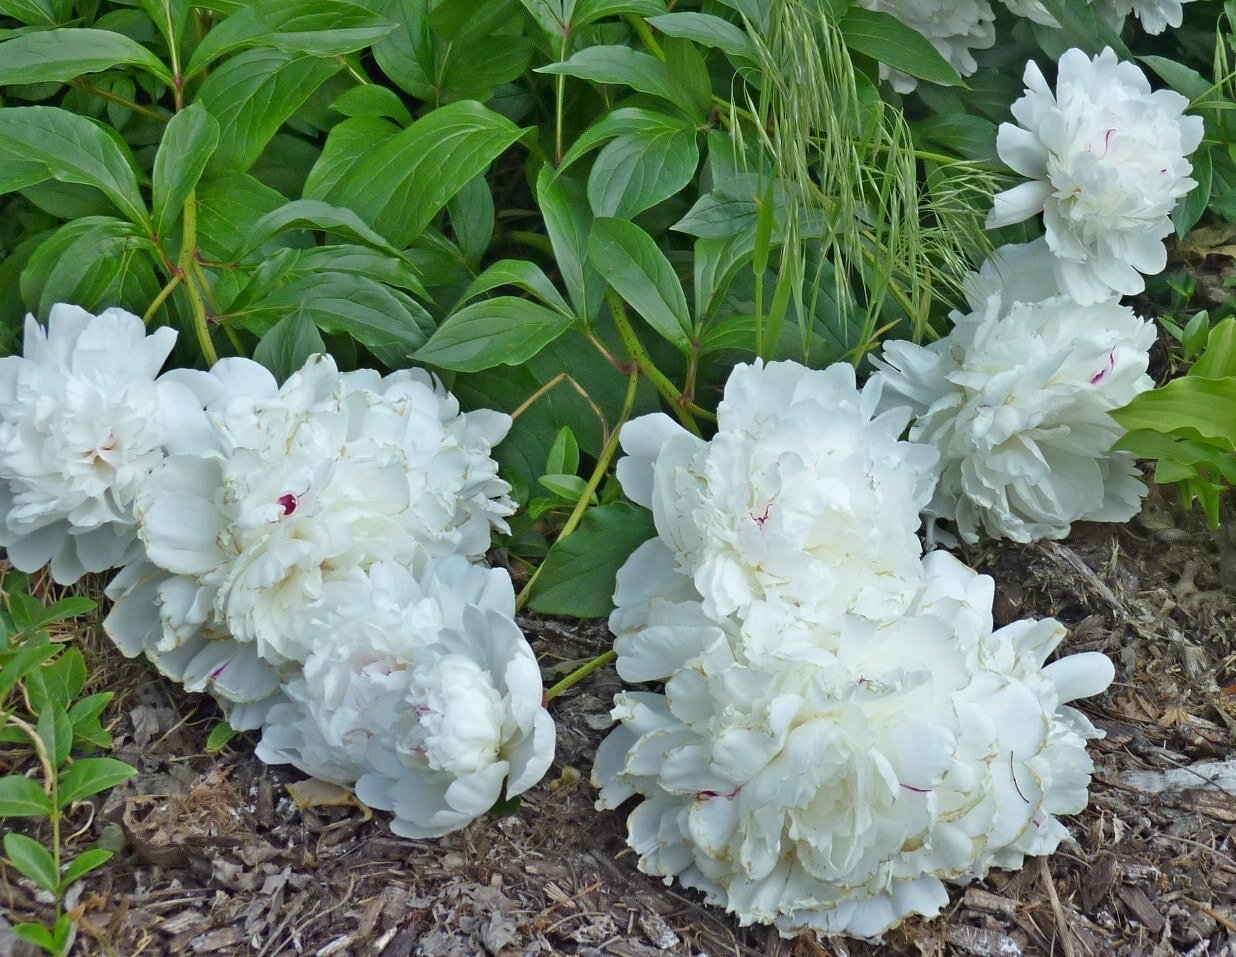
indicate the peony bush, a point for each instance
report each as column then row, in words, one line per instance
column 348, row 331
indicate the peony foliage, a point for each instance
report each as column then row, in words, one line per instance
column 342, row 333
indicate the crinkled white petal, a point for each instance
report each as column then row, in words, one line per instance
column 83, row 420
column 835, row 782
column 306, row 483
column 1017, row 400
column 1155, row 16
column 421, row 692
column 1107, row 160
column 778, row 506
column 953, row 27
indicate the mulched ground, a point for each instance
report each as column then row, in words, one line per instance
column 215, row 857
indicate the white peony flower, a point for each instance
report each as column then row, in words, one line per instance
column 82, row 422
column 953, row 27
column 804, row 495
column 364, row 632
column 1155, row 15
column 1016, row 400
column 1106, row 160
column 308, row 483
column 835, row 782
column 1018, row 272
column 1031, row 10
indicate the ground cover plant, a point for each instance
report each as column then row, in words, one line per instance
column 344, row 333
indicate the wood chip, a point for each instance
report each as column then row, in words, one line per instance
column 981, row 942
column 980, row 899
column 217, row 939
column 1143, row 909
column 1215, row 774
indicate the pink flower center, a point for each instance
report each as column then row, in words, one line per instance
column 289, row 502
column 761, row 519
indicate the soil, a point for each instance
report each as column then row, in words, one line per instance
column 214, row 855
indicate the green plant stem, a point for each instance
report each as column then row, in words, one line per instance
column 635, row 349
column 87, row 87
column 640, row 26
column 51, row 787
column 580, row 673
column 594, row 481
column 186, row 264
column 559, row 96
column 161, row 298
column 538, row 241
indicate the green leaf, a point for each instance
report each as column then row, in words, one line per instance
column 1192, row 406
column 373, row 100
column 577, row 576
column 505, row 330
column 638, row 170
column 1219, row 359
column 568, row 220
column 188, row 143
column 1195, row 203
column 402, row 183
column 883, row 37
column 86, row 710
column 30, row 12
column 88, row 776
column 563, row 458
column 219, row 737
column 1179, row 77
column 19, row 663
column 589, row 11
column 641, row 274
column 88, row 860
column 472, row 219
column 62, row 610
column 38, row 936
column 313, row 214
column 708, row 31
column 523, row 274
column 62, row 54
column 285, row 348
column 21, row 797
column 229, row 204
column 570, row 488
column 54, row 729
column 74, row 150
column 387, row 323
column 323, row 28
column 33, row 860
column 620, row 64
column 253, row 94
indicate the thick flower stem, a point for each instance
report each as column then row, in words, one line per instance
column 188, row 250
column 161, row 298
column 635, row 349
column 580, row 673
column 594, row 481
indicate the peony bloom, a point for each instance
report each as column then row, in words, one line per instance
column 804, row 496
column 953, row 27
column 1031, row 10
column 835, row 787
column 1018, row 272
column 1155, row 15
column 1106, row 160
column 83, row 420
column 1017, row 399
column 421, row 692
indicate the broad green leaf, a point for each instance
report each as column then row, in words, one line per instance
column 577, row 576
column 563, row 458
column 88, row 860
column 504, row 330
column 94, row 262
column 403, row 183
column 622, row 65
column 970, row 137
column 86, row 777
column 74, row 150
column 323, row 28
column 229, row 205
column 568, row 219
column 525, row 275
column 188, row 143
column 1081, row 25
column 36, row 935
column 349, row 144
column 471, row 71
column 883, row 37
column 638, row 170
column 719, row 214
column 33, row 860
column 708, row 31
column 565, row 486
column 19, row 663
column 254, row 93
column 1179, row 77
column 630, row 261
column 18, row 172
column 62, row 54
column 170, row 18
column 56, row 731
column 61, row 610
column 316, row 215
column 285, row 348
column 407, row 55
column 1219, row 359
column 21, row 797
column 387, row 323
column 31, row 12
column 589, row 11
column 373, row 100
column 87, row 709
column 625, row 120
column 1192, row 406
column 1195, row 203
column 472, row 219
column 219, row 737
column 68, row 672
